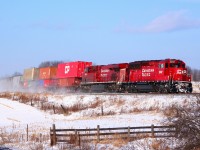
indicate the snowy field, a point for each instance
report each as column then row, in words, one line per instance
column 196, row 87
column 15, row 113
column 119, row 111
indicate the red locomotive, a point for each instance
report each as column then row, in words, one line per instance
column 167, row 76
column 164, row 76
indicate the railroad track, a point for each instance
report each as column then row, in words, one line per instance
column 129, row 94
column 114, row 94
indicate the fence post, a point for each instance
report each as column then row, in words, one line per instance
column 76, row 137
column 31, row 102
column 53, row 138
column 42, row 105
column 102, row 110
column 152, row 130
column 98, row 133
column 22, row 138
column 27, row 133
column 176, row 131
column 13, row 96
column 128, row 132
column 54, row 109
column 64, row 110
column 79, row 139
column 41, row 138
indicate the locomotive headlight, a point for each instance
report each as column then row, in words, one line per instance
column 179, row 71
column 184, row 72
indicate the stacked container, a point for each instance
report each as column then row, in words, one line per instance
column 48, row 75
column 70, row 74
column 31, row 77
column 31, row 74
column 17, row 82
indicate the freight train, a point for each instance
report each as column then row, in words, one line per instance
column 163, row 76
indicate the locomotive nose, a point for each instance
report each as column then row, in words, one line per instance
column 182, row 71
column 181, row 75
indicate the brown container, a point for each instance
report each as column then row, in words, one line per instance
column 48, row 73
column 69, row 82
column 31, row 74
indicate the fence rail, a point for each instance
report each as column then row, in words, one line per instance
column 76, row 136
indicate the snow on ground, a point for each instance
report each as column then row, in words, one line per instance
column 13, row 112
column 120, row 111
column 121, row 104
column 15, row 116
column 196, row 87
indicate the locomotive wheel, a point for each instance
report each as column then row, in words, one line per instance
column 164, row 88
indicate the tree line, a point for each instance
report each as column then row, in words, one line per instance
column 49, row 64
column 195, row 73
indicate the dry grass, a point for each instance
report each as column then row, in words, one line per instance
column 52, row 108
column 24, row 97
column 7, row 95
column 18, row 136
column 41, row 101
column 159, row 145
column 136, row 110
column 115, row 140
column 95, row 104
column 170, row 112
column 119, row 140
column 119, row 102
column 76, row 107
column 151, row 144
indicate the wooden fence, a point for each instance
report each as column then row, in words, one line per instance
column 76, row 136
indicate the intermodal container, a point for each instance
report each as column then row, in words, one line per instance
column 72, row 69
column 69, row 82
column 31, row 74
column 17, row 82
column 50, row 83
column 5, row 83
column 48, row 73
column 35, row 84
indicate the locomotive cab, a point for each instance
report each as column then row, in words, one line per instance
column 178, row 76
column 177, row 71
column 165, row 76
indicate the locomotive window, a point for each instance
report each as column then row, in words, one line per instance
column 172, row 65
column 135, row 66
column 166, row 65
column 183, row 65
column 93, row 69
column 87, row 70
column 116, row 69
column 160, row 65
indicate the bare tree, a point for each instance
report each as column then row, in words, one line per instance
column 49, row 64
column 187, row 121
column 195, row 73
column 189, row 69
column 16, row 74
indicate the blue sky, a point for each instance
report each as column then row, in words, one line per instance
column 103, row 31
